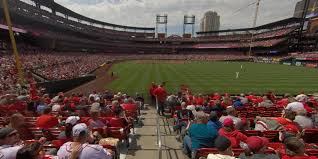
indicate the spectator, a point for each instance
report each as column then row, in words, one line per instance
column 151, row 93
column 214, row 121
column 94, row 121
column 255, row 149
column 200, row 135
column 66, row 135
column 17, row 122
column 244, row 100
column 80, row 137
column 295, row 149
column 46, row 120
column 303, row 121
column 266, row 102
column 31, row 151
column 129, row 105
column 232, row 113
column 286, row 122
column 161, row 95
column 237, row 103
column 116, row 108
column 9, row 143
column 231, row 133
column 224, row 148
column 295, row 106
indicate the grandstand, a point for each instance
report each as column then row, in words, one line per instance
column 103, row 90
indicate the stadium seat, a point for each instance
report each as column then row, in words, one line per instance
column 252, row 132
column 310, row 135
column 272, row 135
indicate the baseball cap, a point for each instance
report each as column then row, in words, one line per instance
column 78, row 129
column 4, row 132
column 255, row 143
column 222, row 143
column 72, row 120
column 228, row 122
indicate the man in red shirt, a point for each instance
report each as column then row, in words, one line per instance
column 47, row 120
column 151, row 92
column 129, row 105
column 161, row 95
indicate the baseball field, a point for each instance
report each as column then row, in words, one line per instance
column 207, row 77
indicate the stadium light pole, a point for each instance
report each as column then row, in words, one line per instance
column 254, row 25
column 13, row 42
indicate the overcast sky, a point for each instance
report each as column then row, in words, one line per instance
column 143, row 12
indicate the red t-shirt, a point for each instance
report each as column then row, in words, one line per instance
column 199, row 101
column 235, row 137
column 152, row 89
column 129, row 107
column 299, row 157
column 160, row 93
column 47, row 121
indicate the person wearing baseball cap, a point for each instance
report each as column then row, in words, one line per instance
column 9, row 139
column 224, row 148
column 66, row 136
column 231, row 133
column 256, row 147
column 80, row 148
column 295, row 149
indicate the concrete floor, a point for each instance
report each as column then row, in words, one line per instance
column 143, row 142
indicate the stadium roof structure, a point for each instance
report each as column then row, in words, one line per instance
column 59, row 8
column 266, row 26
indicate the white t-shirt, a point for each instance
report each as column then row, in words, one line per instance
column 88, row 152
column 304, row 122
column 9, row 152
column 295, row 106
column 219, row 156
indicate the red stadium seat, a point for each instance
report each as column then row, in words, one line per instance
column 252, row 132
column 272, row 135
column 311, row 135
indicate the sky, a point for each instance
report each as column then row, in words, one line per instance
column 142, row 13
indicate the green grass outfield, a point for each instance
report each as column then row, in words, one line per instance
column 207, row 77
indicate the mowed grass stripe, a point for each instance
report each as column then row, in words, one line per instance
column 215, row 76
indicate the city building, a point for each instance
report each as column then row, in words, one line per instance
column 210, row 22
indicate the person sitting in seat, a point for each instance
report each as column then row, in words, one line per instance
column 279, row 123
column 224, row 148
column 200, row 135
column 46, row 120
column 129, row 105
column 9, row 143
column 232, row 113
column 255, row 149
column 82, row 149
column 303, row 120
column 231, row 133
column 214, row 121
column 17, row 121
column 95, row 122
column 66, row 135
column 295, row 149
column 31, row 151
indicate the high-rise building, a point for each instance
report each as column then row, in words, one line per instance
column 210, row 22
column 312, row 8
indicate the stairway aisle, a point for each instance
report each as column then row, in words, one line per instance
column 143, row 143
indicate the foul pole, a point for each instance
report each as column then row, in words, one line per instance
column 254, row 25
column 13, row 42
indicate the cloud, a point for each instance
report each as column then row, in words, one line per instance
column 143, row 12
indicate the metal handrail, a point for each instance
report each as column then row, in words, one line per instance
column 159, row 143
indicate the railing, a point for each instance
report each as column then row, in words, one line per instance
column 159, row 144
